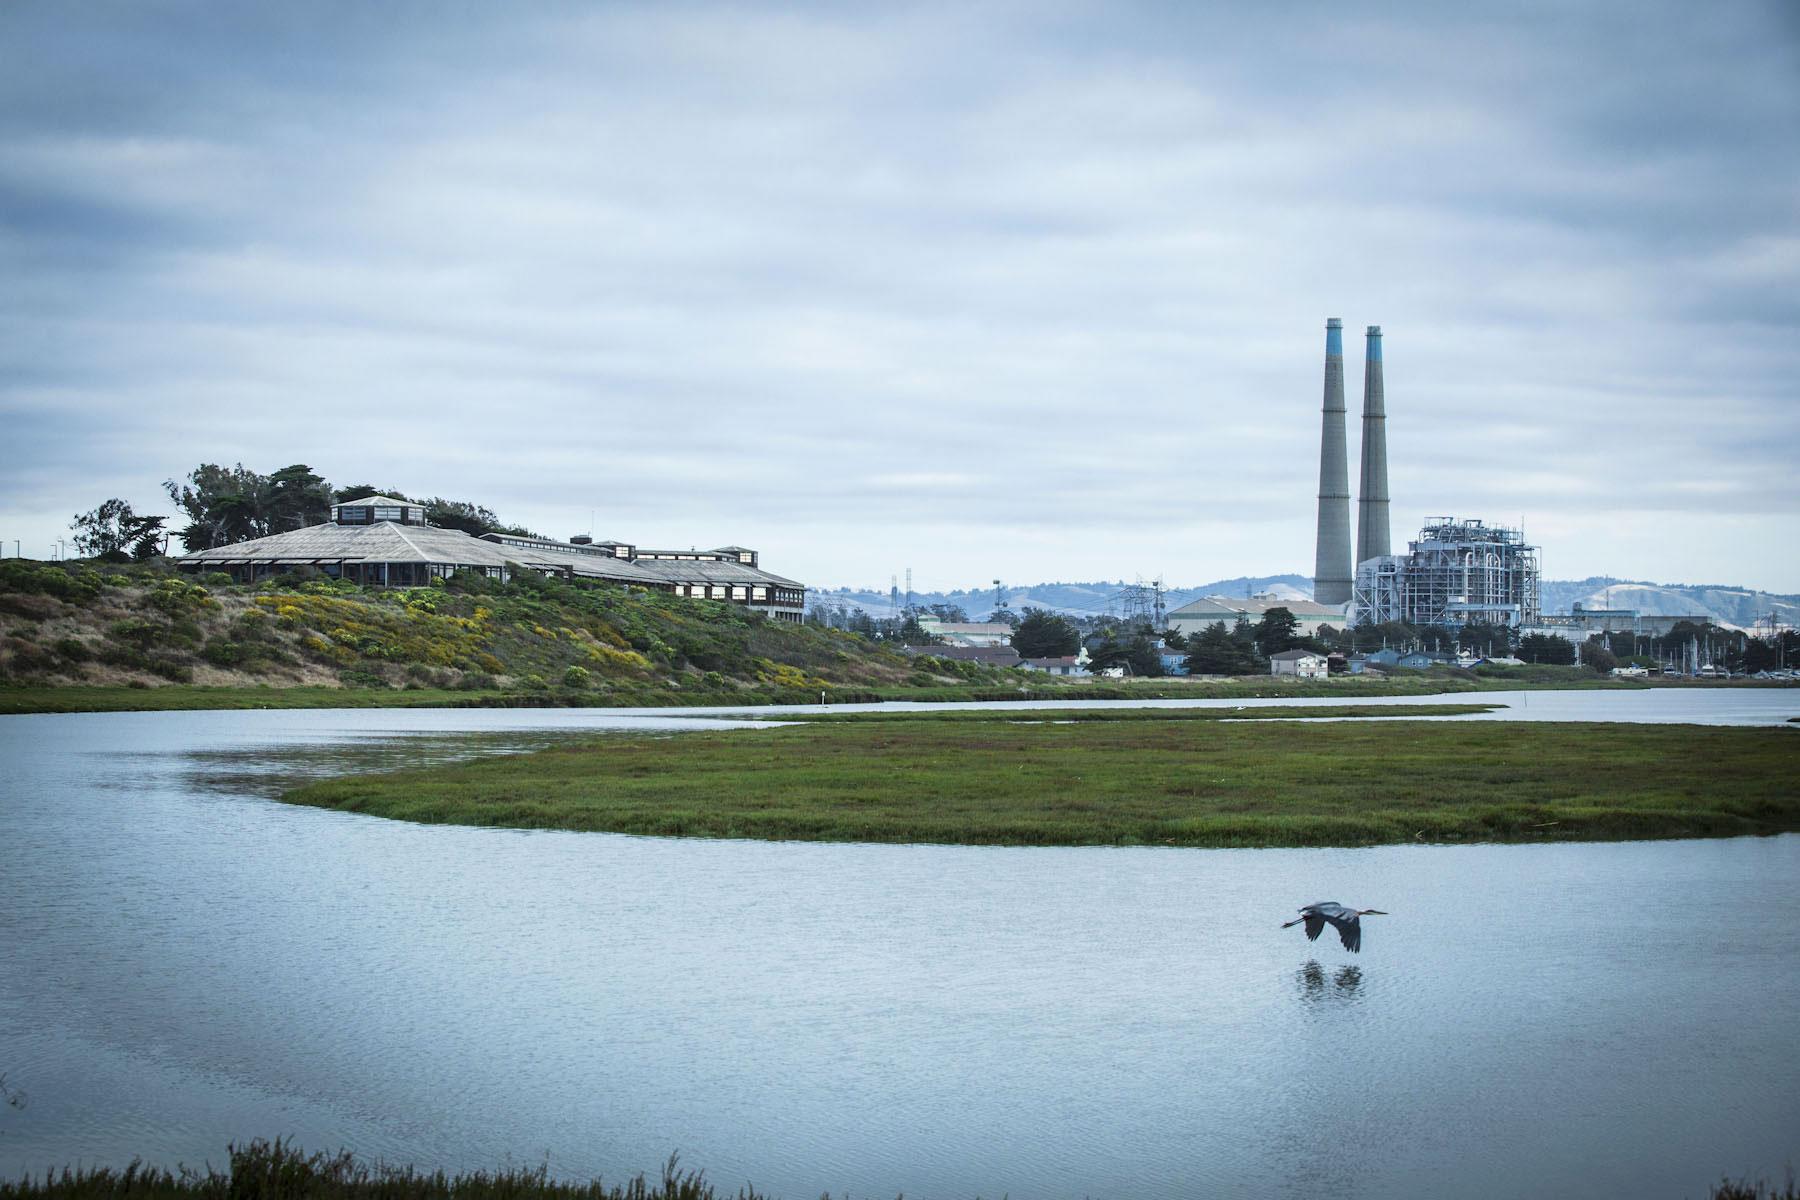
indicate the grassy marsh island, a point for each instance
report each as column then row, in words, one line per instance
column 1158, row 778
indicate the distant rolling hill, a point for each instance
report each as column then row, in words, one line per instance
column 1738, row 607
column 1075, row 599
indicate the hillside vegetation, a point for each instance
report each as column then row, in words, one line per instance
column 143, row 626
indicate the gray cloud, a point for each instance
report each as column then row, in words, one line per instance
column 1035, row 291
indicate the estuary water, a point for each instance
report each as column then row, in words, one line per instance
column 185, row 962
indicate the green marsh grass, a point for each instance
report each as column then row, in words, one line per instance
column 1189, row 778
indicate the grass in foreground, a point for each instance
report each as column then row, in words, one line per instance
column 1181, row 780
column 276, row 1171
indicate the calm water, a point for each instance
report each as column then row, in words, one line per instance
column 184, row 962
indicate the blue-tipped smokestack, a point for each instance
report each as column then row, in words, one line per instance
column 1372, row 508
column 1331, row 567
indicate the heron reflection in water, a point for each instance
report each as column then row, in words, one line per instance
column 1345, row 981
column 1347, row 921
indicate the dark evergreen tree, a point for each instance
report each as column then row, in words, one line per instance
column 1215, row 651
column 1547, row 648
column 1044, row 634
column 1277, row 631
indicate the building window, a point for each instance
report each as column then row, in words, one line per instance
column 739, row 593
column 385, row 513
column 761, row 593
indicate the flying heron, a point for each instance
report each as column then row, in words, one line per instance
column 1347, row 920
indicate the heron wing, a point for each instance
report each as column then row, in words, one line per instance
column 1349, row 930
column 1315, row 925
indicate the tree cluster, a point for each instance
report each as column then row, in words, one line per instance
column 1216, row 650
column 226, row 505
column 117, row 534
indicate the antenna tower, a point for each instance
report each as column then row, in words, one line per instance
column 909, row 591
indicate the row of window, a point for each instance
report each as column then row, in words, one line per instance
column 718, row 591
column 363, row 514
column 754, row 594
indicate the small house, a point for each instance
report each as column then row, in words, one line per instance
column 1069, row 665
column 1303, row 664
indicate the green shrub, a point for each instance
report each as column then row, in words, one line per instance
column 222, row 653
column 577, row 678
column 213, row 579
column 138, row 633
column 24, row 575
column 73, row 649
column 177, row 597
column 252, row 626
column 174, row 670
column 534, row 683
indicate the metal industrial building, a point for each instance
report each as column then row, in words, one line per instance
column 1455, row 573
column 1191, row 618
column 383, row 542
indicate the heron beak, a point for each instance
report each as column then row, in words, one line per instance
column 1373, row 912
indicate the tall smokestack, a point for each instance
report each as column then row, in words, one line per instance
column 1331, row 567
column 1372, row 508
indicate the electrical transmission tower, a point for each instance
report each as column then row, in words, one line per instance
column 1144, row 604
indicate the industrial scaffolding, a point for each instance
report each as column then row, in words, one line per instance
column 1456, row 573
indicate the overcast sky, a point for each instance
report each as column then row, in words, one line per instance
column 1031, row 291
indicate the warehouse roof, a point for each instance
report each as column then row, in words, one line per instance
column 705, row 570
column 389, row 542
column 1220, row 606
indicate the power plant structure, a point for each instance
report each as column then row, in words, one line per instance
column 1456, row 573
column 1332, row 568
column 1372, row 499
column 1333, row 573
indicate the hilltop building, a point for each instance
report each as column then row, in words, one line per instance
column 378, row 541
